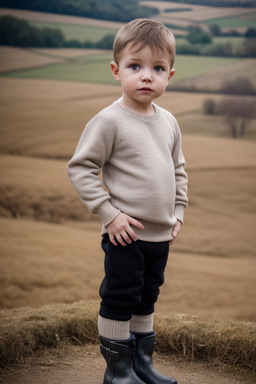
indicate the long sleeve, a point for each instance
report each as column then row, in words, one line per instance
column 92, row 152
column 181, row 178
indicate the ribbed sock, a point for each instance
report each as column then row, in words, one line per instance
column 143, row 324
column 114, row 329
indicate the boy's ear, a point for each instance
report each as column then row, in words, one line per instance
column 172, row 71
column 115, row 70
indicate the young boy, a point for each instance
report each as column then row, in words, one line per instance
column 137, row 145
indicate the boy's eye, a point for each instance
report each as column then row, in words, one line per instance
column 158, row 68
column 134, row 67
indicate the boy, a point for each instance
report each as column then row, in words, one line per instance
column 138, row 147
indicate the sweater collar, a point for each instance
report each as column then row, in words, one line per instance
column 137, row 116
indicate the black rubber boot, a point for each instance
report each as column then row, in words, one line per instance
column 145, row 343
column 119, row 359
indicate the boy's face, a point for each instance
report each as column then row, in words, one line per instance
column 144, row 76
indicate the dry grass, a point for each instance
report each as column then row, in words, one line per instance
column 19, row 58
column 220, row 196
column 195, row 338
column 200, row 124
column 37, row 267
column 26, row 330
column 45, row 263
column 190, row 337
column 69, row 106
column 38, row 189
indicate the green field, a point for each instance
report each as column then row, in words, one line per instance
column 191, row 66
column 241, row 21
column 77, row 31
column 235, row 41
column 95, row 68
column 222, row 40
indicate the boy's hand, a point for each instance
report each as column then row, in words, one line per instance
column 176, row 230
column 120, row 230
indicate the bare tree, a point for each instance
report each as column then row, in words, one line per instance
column 237, row 112
column 210, row 106
column 239, row 86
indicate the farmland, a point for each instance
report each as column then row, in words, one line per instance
column 56, row 255
column 47, row 96
column 79, row 32
column 55, row 18
column 92, row 29
column 244, row 21
column 93, row 66
column 205, row 15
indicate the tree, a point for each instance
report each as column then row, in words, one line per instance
column 215, row 29
column 197, row 36
column 106, row 42
column 20, row 33
column 250, row 47
column 251, row 32
column 237, row 114
column 210, row 106
column 117, row 10
column 239, row 86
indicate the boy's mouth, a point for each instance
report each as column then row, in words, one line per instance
column 146, row 89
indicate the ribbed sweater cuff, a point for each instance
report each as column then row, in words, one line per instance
column 107, row 212
column 179, row 212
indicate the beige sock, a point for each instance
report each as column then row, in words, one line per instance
column 114, row 329
column 142, row 323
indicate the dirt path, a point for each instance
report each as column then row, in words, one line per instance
column 85, row 365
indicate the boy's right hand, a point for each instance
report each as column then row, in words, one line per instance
column 120, row 230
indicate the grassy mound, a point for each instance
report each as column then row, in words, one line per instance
column 216, row 341
column 26, row 330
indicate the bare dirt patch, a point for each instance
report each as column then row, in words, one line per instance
column 85, row 365
column 26, row 332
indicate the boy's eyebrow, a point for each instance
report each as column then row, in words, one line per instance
column 135, row 58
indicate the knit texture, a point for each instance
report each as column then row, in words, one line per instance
column 142, row 324
column 113, row 329
column 143, row 169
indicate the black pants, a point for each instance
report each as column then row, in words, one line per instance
column 133, row 275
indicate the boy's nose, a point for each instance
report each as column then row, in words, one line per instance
column 147, row 76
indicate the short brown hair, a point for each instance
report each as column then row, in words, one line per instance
column 142, row 32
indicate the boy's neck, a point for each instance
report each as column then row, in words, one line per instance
column 138, row 108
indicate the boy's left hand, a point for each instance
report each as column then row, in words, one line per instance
column 176, row 230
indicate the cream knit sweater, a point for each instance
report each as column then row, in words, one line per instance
column 142, row 166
